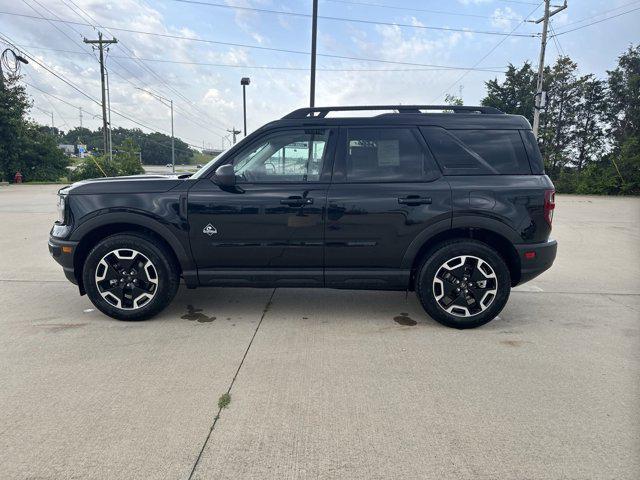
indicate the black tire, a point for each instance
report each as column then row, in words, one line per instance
column 428, row 289
column 161, row 289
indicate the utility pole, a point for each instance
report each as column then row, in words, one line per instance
column 173, row 145
column 80, row 109
column 163, row 101
column 101, row 43
column 543, row 45
column 234, row 132
column 314, row 35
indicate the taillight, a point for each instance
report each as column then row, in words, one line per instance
column 549, row 205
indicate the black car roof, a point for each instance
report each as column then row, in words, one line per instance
column 456, row 117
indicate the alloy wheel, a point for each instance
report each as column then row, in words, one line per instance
column 465, row 286
column 126, row 279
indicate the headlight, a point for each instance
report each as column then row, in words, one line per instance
column 62, row 204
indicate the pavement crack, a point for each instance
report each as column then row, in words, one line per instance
column 246, row 352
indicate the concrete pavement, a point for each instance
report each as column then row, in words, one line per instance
column 324, row 383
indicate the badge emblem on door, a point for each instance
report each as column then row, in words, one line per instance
column 209, row 230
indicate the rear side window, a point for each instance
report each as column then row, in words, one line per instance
column 387, row 155
column 478, row 152
column 533, row 151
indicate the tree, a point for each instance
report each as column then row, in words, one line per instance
column 156, row 149
column 24, row 146
column 558, row 119
column 453, row 100
column 125, row 162
column 590, row 121
column 515, row 94
column 624, row 118
column 13, row 107
column 40, row 159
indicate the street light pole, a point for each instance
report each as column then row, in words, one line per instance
column 109, row 116
column 162, row 100
column 173, row 145
column 244, row 82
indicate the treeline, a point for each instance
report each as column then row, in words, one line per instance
column 32, row 149
column 590, row 127
column 154, row 148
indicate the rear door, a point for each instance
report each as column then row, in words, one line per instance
column 268, row 229
column 386, row 192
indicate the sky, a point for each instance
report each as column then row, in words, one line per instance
column 369, row 52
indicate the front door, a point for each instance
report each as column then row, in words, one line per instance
column 387, row 193
column 269, row 229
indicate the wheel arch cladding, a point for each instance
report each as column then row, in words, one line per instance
column 91, row 235
column 499, row 243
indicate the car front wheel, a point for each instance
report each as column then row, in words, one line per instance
column 129, row 277
column 463, row 284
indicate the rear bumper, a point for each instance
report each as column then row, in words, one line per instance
column 63, row 256
column 535, row 258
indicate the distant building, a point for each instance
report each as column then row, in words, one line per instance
column 67, row 149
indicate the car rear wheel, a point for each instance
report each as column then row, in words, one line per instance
column 129, row 277
column 463, row 284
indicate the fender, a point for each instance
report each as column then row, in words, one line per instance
column 493, row 224
column 457, row 222
column 423, row 237
column 182, row 252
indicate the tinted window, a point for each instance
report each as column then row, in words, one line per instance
column 283, row 157
column 386, row 154
column 478, row 152
column 535, row 159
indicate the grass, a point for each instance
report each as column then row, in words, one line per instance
column 224, row 401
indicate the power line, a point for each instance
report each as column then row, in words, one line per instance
column 559, row 48
column 95, row 115
column 185, row 114
column 271, row 67
column 596, row 22
column 344, row 19
column 61, row 78
column 232, row 44
column 488, row 53
column 599, row 14
column 419, row 10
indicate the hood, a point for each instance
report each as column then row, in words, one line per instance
column 128, row 184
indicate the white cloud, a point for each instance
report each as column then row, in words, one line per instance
column 505, row 18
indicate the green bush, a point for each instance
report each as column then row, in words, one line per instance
column 125, row 162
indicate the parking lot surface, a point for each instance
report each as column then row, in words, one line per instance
column 324, row 384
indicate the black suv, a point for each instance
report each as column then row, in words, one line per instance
column 451, row 202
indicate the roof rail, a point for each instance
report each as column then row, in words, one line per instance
column 321, row 112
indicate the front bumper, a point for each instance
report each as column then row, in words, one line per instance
column 535, row 258
column 63, row 252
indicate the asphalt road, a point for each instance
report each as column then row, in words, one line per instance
column 325, row 384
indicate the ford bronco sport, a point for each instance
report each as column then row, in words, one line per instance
column 449, row 201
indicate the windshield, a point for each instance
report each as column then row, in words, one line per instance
column 206, row 166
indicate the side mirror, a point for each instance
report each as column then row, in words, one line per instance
column 225, row 176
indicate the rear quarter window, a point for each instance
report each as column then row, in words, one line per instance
column 478, row 152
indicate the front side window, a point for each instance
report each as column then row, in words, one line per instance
column 386, row 155
column 294, row 156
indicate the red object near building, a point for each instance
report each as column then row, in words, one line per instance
column 18, row 178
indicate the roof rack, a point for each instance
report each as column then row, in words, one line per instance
column 321, row 112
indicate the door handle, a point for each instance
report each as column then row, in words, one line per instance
column 412, row 200
column 296, row 201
